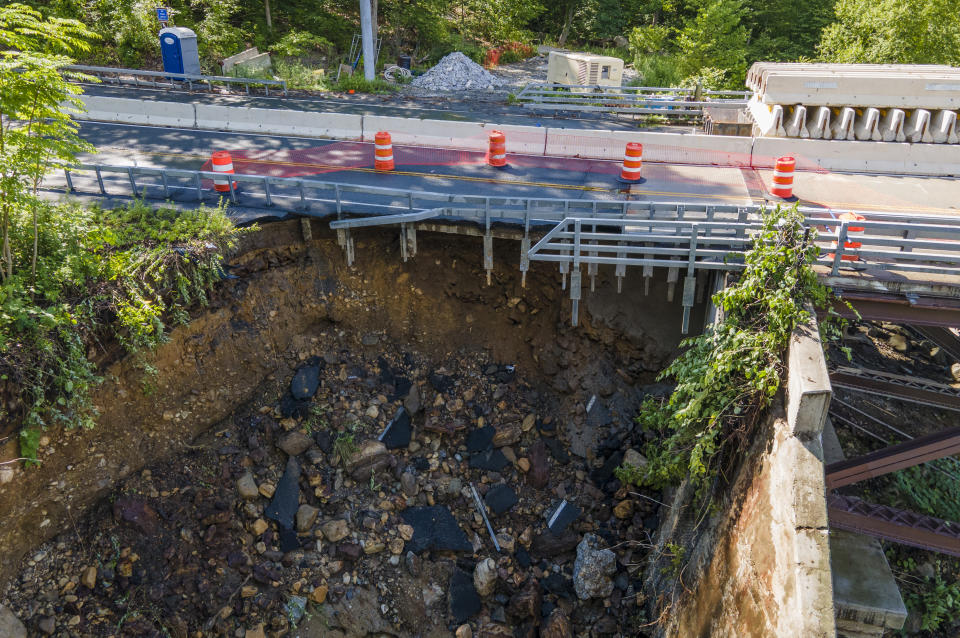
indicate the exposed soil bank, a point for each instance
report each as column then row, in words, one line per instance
column 290, row 301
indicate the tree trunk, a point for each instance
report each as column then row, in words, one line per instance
column 266, row 6
column 567, row 20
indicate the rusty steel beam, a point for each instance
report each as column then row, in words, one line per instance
column 899, row 310
column 856, row 515
column 895, row 386
column 896, row 457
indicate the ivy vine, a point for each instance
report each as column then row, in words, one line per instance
column 727, row 376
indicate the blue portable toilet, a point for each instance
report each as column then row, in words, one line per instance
column 178, row 46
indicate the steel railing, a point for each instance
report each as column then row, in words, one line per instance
column 889, row 241
column 164, row 79
column 636, row 100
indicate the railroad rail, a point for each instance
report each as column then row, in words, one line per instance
column 632, row 100
column 158, row 79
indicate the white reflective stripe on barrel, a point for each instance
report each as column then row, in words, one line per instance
column 384, row 158
column 383, row 147
column 628, row 169
column 780, row 174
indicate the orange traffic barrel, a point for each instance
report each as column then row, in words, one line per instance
column 222, row 163
column 383, row 152
column 497, row 156
column 854, row 233
column 783, row 177
column 632, row 162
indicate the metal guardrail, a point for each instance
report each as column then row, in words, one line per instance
column 693, row 237
column 158, row 79
column 636, row 100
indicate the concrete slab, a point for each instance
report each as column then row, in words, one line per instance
column 865, row 594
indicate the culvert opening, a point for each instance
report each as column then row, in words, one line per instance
column 320, row 443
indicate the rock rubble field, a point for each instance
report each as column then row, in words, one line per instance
column 341, row 503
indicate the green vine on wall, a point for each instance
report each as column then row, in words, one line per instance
column 728, row 376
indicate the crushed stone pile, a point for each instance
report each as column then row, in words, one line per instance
column 456, row 72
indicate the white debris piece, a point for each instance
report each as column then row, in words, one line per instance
column 456, row 72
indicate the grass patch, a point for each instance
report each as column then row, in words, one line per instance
column 344, row 446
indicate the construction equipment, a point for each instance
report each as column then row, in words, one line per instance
column 583, row 70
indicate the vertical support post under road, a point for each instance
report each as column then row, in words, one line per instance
column 366, row 35
column 689, row 282
column 575, row 277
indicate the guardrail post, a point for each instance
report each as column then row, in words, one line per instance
column 233, row 190
column 266, row 190
column 166, row 188
column 199, row 185
column 103, row 191
column 838, row 250
column 336, row 192
column 283, row 83
column 66, row 173
column 133, row 182
column 303, row 197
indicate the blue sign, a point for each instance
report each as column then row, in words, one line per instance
column 163, row 14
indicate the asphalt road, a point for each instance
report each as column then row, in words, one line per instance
column 465, row 173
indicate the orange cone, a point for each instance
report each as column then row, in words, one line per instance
column 854, row 233
column 497, row 156
column 221, row 162
column 383, row 152
column 632, row 163
column 783, row 177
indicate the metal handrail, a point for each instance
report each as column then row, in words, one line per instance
column 640, row 100
column 112, row 74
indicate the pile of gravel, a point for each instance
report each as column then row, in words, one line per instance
column 456, row 72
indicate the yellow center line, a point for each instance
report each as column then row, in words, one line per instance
column 337, row 167
column 466, row 178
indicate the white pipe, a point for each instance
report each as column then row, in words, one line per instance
column 366, row 33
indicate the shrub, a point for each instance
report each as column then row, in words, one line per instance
column 125, row 274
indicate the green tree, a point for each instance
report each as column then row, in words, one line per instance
column 715, row 39
column 36, row 130
column 894, row 31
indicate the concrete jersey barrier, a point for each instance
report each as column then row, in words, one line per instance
column 717, row 150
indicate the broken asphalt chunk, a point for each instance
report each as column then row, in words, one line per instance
column 398, row 431
column 434, row 528
column 565, row 514
column 286, row 498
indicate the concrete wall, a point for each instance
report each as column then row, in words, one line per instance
column 761, row 568
column 675, row 148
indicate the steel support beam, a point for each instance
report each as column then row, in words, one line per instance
column 856, row 515
column 896, row 457
column 896, row 386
